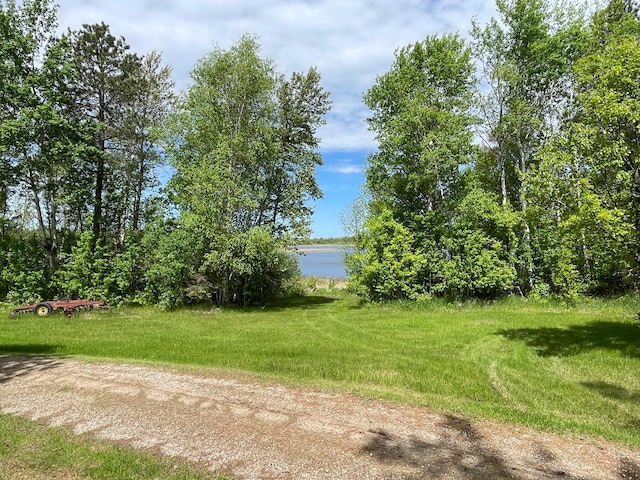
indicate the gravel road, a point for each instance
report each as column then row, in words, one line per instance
column 256, row 430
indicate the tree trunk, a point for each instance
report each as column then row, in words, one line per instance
column 48, row 234
column 503, row 178
column 527, row 230
column 97, row 206
column 100, row 173
column 635, row 244
column 137, row 202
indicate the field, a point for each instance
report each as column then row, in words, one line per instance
column 555, row 368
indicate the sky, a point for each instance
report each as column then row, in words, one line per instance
column 350, row 42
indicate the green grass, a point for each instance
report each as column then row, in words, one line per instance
column 29, row 450
column 551, row 367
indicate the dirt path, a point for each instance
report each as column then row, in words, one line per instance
column 252, row 430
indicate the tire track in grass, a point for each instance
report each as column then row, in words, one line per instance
column 501, row 388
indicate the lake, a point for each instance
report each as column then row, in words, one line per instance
column 323, row 260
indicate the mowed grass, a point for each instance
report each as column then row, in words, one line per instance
column 556, row 368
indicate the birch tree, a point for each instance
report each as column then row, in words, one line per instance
column 244, row 151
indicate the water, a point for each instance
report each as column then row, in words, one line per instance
column 323, row 260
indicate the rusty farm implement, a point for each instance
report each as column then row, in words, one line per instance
column 68, row 306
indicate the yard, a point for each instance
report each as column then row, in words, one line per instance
column 547, row 366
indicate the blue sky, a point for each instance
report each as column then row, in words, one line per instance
column 350, row 42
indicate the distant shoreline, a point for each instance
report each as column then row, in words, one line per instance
column 321, row 248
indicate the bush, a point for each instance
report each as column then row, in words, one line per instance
column 24, row 269
column 250, row 268
column 385, row 265
column 479, row 246
column 170, row 277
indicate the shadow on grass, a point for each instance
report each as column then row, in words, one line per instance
column 13, row 366
column 564, row 342
column 612, row 391
column 460, row 453
column 285, row 303
column 301, row 302
column 28, row 349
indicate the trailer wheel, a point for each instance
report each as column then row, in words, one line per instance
column 43, row 309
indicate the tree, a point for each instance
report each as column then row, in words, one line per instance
column 617, row 19
column 75, row 109
column 422, row 123
column 353, row 217
column 46, row 169
column 480, row 246
column 243, row 149
column 39, row 134
column 301, row 104
column 104, row 88
column 387, row 265
column 598, row 152
column 222, row 136
column 144, row 118
column 526, row 57
column 14, row 49
column 421, row 117
column 123, row 100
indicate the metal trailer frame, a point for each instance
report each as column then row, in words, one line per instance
column 67, row 305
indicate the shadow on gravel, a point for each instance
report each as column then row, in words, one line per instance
column 629, row 469
column 13, row 367
column 459, row 454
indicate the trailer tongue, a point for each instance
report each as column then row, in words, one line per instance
column 67, row 305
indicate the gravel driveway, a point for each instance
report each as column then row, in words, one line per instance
column 256, row 430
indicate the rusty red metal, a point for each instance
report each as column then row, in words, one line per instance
column 67, row 305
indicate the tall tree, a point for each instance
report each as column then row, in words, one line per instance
column 105, row 85
column 222, row 136
column 525, row 57
column 598, row 153
column 144, row 118
column 422, row 123
column 244, row 154
column 616, row 19
column 40, row 135
column 421, row 117
column 15, row 48
column 301, row 104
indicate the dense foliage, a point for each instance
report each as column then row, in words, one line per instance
column 548, row 201
column 84, row 124
column 243, row 187
column 508, row 163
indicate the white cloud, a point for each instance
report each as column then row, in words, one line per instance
column 344, row 165
column 345, row 169
column 350, row 42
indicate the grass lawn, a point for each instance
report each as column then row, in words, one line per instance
column 554, row 368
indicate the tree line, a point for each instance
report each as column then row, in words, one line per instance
column 86, row 128
column 506, row 163
column 509, row 162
